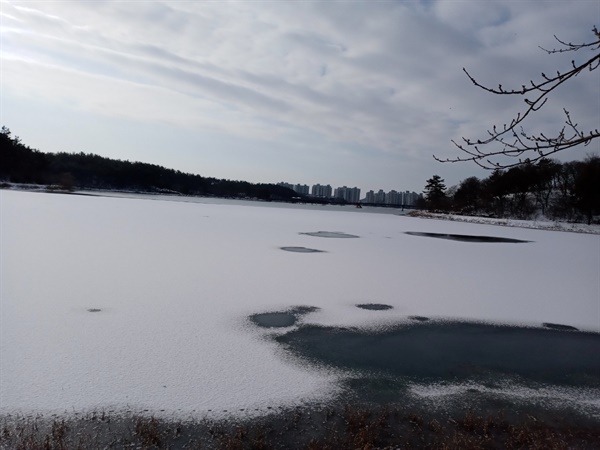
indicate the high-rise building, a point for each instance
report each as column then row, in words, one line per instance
column 286, row 185
column 409, row 198
column 354, row 195
column 351, row 195
column 301, row 189
column 393, row 198
column 321, row 191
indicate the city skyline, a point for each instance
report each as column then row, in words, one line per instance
column 353, row 194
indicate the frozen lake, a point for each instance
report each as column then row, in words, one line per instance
column 129, row 304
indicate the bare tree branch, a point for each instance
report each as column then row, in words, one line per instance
column 513, row 140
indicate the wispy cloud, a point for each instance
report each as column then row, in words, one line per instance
column 383, row 76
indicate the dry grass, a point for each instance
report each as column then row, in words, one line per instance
column 329, row 428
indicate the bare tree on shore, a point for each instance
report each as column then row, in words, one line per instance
column 511, row 139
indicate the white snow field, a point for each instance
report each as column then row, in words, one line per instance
column 175, row 282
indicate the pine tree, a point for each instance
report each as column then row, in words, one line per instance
column 435, row 193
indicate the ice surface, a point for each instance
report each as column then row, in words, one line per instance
column 172, row 284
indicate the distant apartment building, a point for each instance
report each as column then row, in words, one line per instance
column 378, row 197
column 410, row 198
column 286, row 185
column 393, row 198
column 321, row 191
column 351, row 195
column 301, row 189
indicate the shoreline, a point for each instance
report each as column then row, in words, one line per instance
column 337, row 426
column 545, row 225
column 533, row 224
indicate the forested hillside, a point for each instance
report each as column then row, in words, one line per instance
column 22, row 164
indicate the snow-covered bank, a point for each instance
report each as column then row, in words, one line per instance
column 125, row 303
column 542, row 224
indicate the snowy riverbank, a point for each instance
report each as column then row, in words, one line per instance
column 542, row 224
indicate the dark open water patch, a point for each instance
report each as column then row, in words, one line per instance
column 274, row 319
column 419, row 318
column 374, row 306
column 301, row 250
column 330, row 234
column 454, row 351
column 558, row 326
column 466, row 237
column 281, row 319
column 94, row 310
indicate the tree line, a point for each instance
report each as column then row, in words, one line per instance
column 558, row 191
column 537, row 185
column 21, row 164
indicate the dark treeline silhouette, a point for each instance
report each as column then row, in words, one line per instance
column 559, row 191
column 22, row 164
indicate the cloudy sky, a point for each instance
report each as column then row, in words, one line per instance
column 358, row 93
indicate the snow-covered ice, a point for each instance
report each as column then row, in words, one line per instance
column 175, row 283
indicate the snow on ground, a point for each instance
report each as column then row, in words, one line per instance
column 175, row 283
column 541, row 223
